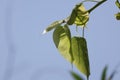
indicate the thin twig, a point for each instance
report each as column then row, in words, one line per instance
column 90, row 1
column 98, row 4
column 83, row 32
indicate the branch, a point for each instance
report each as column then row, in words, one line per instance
column 98, row 4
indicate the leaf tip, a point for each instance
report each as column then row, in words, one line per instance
column 44, row 32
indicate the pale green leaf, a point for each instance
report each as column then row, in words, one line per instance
column 79, row 16
column 82, row 15
column 80, row 55
column 52, row 26
column 62, row 40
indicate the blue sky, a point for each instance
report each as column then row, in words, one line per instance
column 35, row 55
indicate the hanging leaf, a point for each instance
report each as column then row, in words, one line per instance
column 62, row 40
column 80, row 55
column 117, row 16
column 104, row 73
column 79, row 16
column 82, row 15
column 117, row 4
column 76, row 76
column 52, row 26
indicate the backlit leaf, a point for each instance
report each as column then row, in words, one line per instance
column 80, row 55
column 62, row 40
column 82, row 15
column 79, row 16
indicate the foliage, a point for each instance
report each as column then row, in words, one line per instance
column 118, row 14
column 74, row 49
column 79, row 16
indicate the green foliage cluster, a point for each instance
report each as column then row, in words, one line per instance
column 74, row 49
column 118, row 14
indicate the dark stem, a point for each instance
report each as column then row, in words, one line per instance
column 83, row 32
column 99, row 3
column 87, row 78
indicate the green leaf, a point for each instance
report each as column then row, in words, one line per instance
column 82, row 15
column 52, row 26
column 76, row 76
column 117, row 4
column 62, row 40
column 104, row 73
column 79, row 16
column 117, row 16
column 80, row 55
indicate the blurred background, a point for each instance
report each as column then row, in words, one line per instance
column 26, row 54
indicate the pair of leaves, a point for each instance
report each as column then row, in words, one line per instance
column 79, row 16
column 72, row 49
column 104, row 74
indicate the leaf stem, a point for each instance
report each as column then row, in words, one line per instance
column 99, row 3
column 87, row 78
column 83, row 32
column 90, row 1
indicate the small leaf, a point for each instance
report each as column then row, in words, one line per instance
column 62, row 40
column 117, row 4
column 104, row 73
column 80, row 55
column 82, row 15
column 79, row 16
column 52, row 26
column 76, row 76
column 117, row 16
